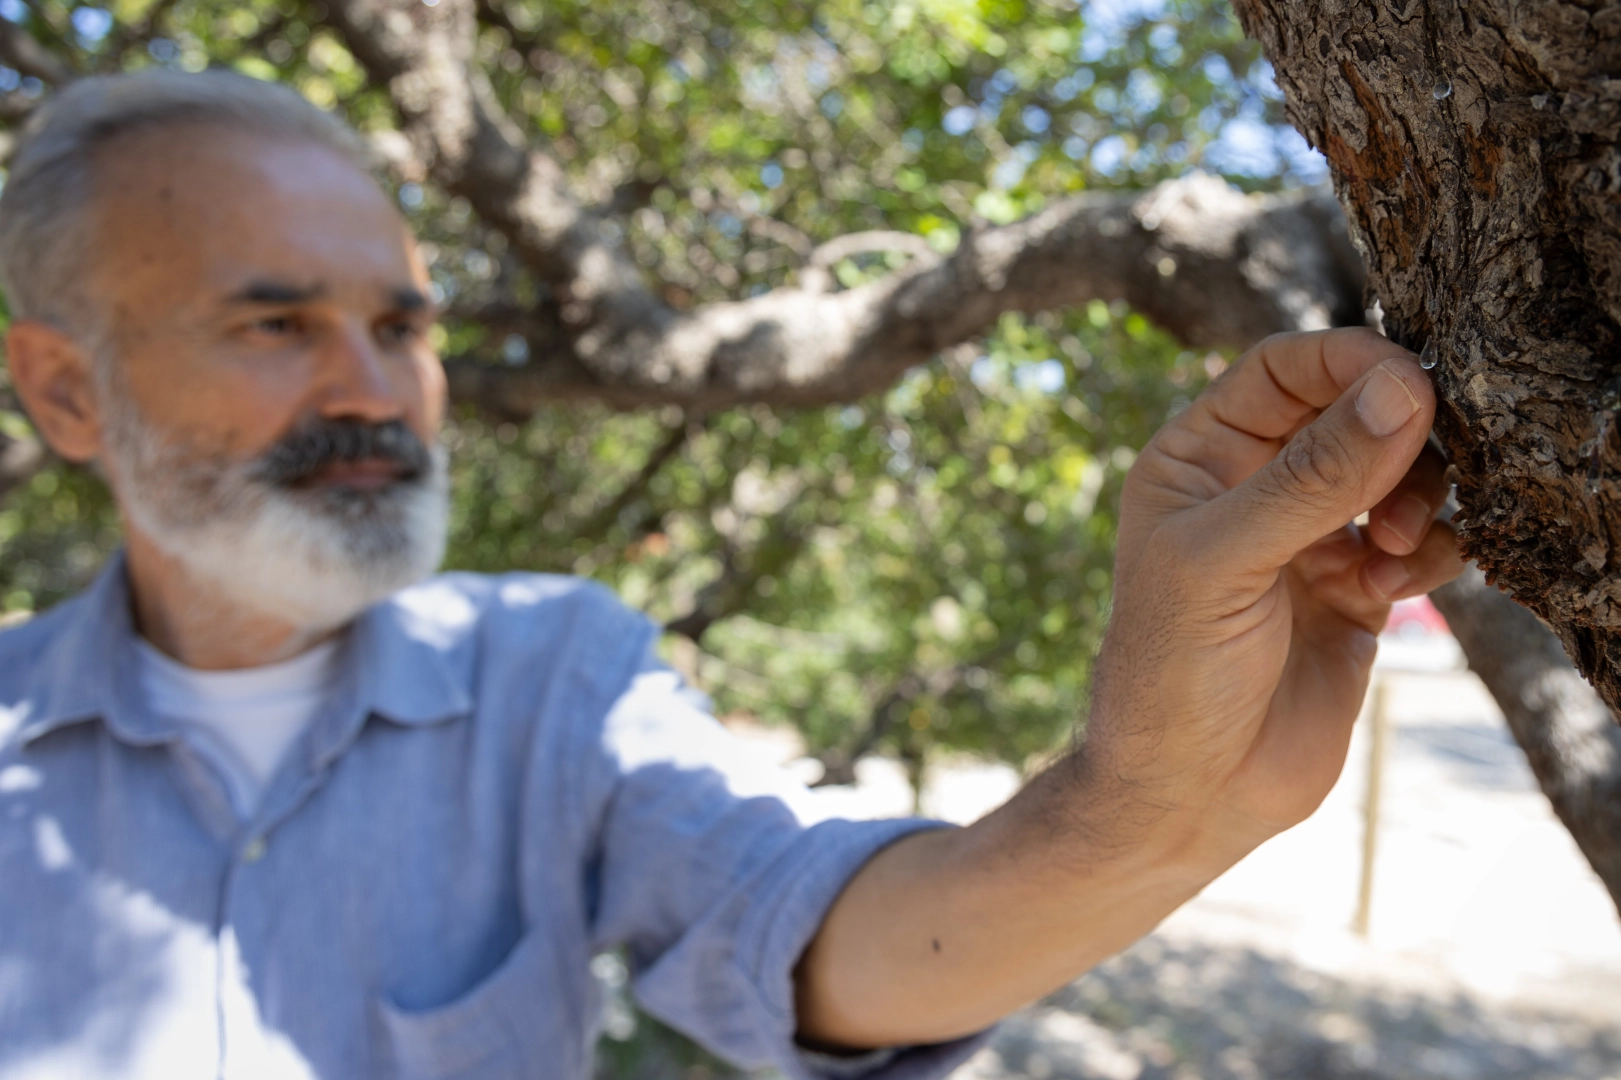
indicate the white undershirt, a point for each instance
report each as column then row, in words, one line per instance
column 250, row 716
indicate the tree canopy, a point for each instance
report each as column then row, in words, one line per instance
column 924, row 567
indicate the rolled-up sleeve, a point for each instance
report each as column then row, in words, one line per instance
column 715, row 869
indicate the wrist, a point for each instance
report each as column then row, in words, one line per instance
column 1096, row 822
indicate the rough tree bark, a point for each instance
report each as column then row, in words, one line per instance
column 1474, row 147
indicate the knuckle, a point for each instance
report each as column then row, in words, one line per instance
column 1315, row 465
column 1359, row 333
column 1282, row 343
column 1274, row 341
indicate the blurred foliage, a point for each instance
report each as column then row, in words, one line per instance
column 926, row 571
column 944, row 549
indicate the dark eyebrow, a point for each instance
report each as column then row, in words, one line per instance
column 408, row 298
column 275, row 292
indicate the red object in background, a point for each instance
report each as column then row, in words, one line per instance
column 1416, row 618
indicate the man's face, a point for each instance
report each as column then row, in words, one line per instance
column 268, row 394
column 249, row 285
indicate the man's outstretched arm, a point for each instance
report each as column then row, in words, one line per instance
column 1243, row 630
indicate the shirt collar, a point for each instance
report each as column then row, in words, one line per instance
column 88, row 672
column 393, row 668
column 401, row 667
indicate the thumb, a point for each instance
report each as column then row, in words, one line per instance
column 1335, row 468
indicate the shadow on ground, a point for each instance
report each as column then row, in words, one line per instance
column 1476, row 756
column 1200, row 1012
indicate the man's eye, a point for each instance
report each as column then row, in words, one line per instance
column 275, row 324
column 401, row 331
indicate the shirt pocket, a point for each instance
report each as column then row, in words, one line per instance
column 518, row 1022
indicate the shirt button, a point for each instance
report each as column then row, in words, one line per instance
column 254, row 850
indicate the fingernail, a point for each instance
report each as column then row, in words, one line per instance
column 1385, row 404
column 1387, row 575
column 1407, row 518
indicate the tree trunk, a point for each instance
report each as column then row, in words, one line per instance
column 1473, row 146
column 1567, row 734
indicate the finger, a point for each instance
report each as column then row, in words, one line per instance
column 1341, row 464
column 1388, row 578
column 1338, row 555
column 1289, row 376
column 1331, row 573
column 1358, row 583
column 1402, row 518
column 1238, row 424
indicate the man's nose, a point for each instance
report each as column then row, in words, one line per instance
column 356, row 380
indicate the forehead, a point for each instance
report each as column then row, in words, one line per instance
column 186, row 214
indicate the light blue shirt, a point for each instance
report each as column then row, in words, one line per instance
column 478, row 809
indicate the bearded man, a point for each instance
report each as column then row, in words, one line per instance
column 275, row 802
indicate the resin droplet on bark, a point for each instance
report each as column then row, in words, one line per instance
column 1595, row 461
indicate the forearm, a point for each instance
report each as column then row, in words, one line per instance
column 947, row 931
column 1243, row 631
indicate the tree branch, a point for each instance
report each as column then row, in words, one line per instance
column 660, row 456
column 16, row 106
column 741, row 571
column 780, row 232
column 21, row 52
column 839, row 765
column 1568, row 734
column 140, row 34
column 818, row 273
column 859, row 243
column 1210, row 264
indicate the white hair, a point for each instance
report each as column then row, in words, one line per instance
column 312, row 560
column 44, row 246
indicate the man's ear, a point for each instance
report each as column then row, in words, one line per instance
column 53, row 376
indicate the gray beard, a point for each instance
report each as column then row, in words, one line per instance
column 313, row 557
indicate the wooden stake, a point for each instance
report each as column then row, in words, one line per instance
column 1378, row 732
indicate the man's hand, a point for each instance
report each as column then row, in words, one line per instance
column 1245, row 613
column 1246, row 604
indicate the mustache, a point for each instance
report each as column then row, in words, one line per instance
column 312, row 446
